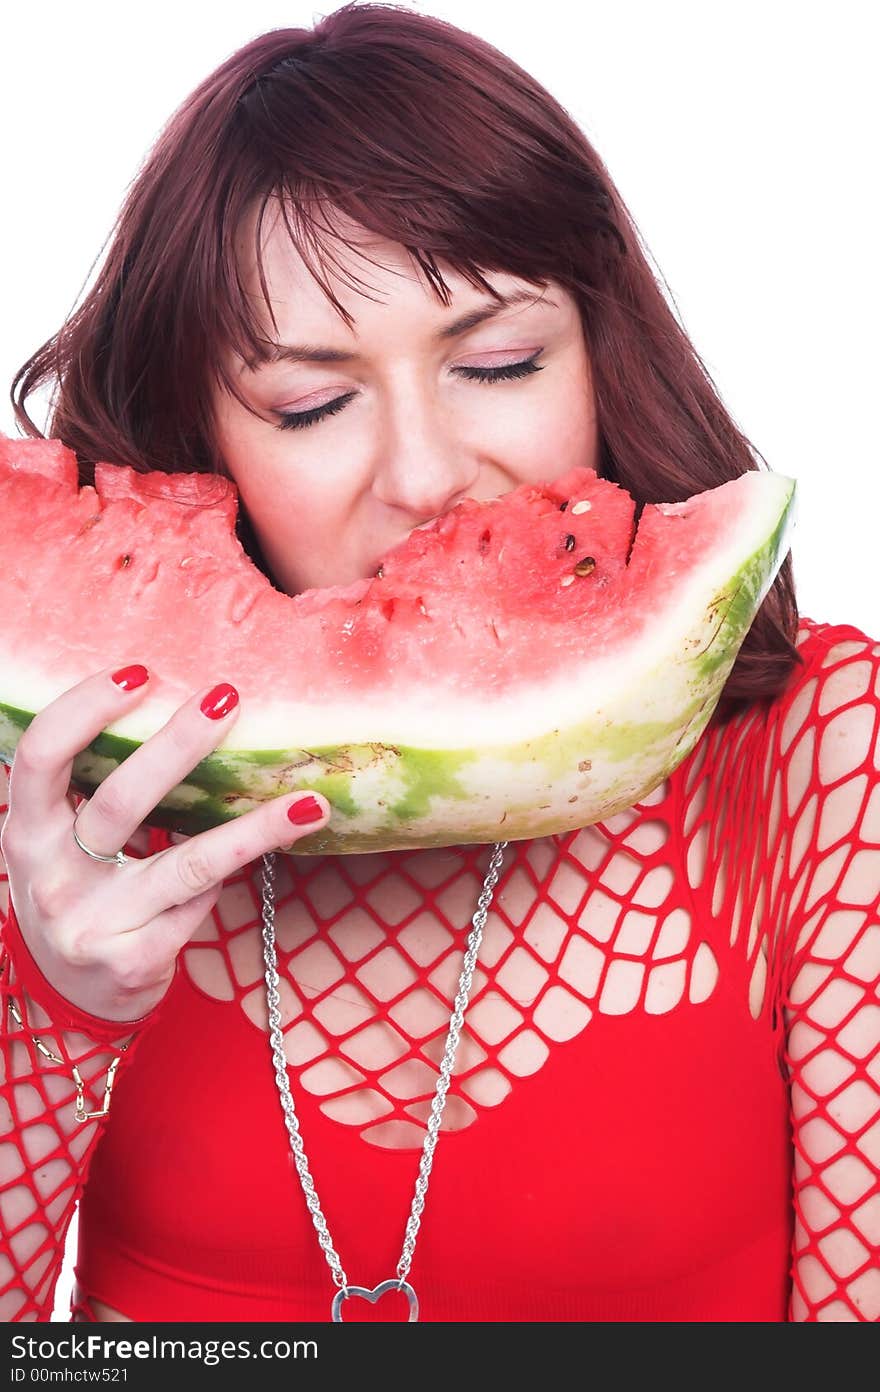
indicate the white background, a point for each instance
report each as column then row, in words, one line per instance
column 741, row 136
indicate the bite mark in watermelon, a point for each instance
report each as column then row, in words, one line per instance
column 519, row 668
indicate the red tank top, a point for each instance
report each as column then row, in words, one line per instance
column 645, row 1039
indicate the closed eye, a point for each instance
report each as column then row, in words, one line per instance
column 298, row 420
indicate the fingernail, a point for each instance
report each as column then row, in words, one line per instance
column 220, row 701
column 308, row 809
column 129, row 678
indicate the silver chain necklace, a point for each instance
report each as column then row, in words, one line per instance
column 456, row 1022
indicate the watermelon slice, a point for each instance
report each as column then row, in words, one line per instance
column 518, row 668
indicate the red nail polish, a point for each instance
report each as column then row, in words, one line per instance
column 306, row 810
column 130, row 678
column 220, row 701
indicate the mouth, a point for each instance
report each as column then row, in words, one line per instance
column 375, row 568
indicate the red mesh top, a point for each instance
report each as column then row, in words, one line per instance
column 666, row 1104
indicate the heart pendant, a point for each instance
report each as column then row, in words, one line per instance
column 373, row 1295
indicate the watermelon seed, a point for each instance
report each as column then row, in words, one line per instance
column 124, row 561
column 563, row 506
column 585, row 567
column 569, row 541
column 379, row 573
column 567, row 580
column 583, row 506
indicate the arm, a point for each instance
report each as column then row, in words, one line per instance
column 109, row 941
column 832, row 987
column 45, row 1151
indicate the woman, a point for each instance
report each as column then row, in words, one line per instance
column 666, row 1099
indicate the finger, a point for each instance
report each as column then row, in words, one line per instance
column 128, row 794
column 43, row 763
column 184, row 872
column 146, row 957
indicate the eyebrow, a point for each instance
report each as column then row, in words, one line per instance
column 309, row 352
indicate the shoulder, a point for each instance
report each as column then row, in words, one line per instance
column 828, row 747
column 832, row 697
column 840, row 650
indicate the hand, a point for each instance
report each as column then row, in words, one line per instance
column 107, row 936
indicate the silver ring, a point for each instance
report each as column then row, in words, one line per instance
column 118, row 859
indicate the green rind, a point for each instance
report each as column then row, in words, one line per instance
column 737, row 606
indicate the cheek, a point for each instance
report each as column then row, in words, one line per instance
column 290, row 509
column 553, row 434
column 256, row 457
column 297, row 509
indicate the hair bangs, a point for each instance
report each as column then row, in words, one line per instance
column 314, row 223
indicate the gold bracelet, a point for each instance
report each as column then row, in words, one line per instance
column 80, row 1113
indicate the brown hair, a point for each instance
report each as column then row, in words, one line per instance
column 431, row 138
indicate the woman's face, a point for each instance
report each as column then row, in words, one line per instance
column 408, row 434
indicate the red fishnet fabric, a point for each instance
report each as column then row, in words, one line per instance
column 44, row 1152
column 666, row 1103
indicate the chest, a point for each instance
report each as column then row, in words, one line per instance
column 370, row 951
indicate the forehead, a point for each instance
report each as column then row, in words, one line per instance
column 361, row 268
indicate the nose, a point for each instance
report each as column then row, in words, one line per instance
column 423, row 466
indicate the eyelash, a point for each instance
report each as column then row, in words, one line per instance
column 297, row 420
